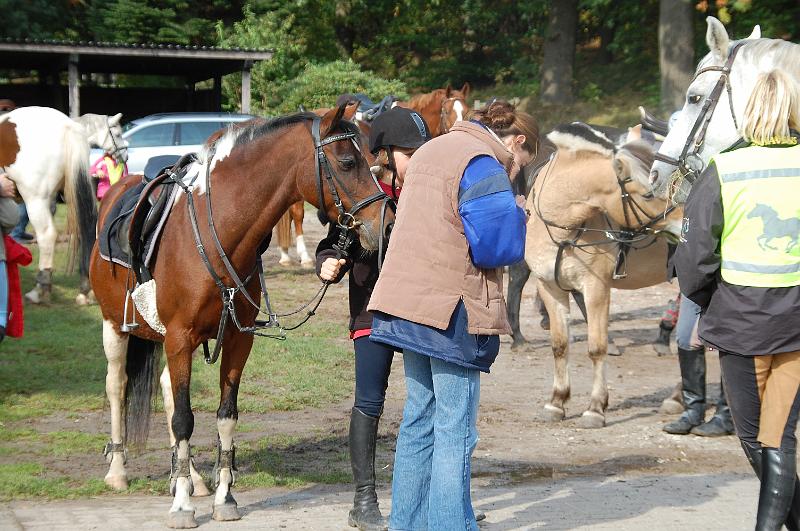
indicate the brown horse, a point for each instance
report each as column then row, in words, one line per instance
column 586, row 205
column 441, row 108
column 256, row 173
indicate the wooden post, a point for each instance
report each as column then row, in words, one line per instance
column 246, row 86
column 74, row 87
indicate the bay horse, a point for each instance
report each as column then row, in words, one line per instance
column 587, row 207
column 715, row 100
column 440, row 108
column 256, row 173
column 44, row 151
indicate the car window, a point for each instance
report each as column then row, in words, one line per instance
column 192, row 133
column 154, row 135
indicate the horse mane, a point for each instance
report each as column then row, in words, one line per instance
column 786, row 54
column 637, row 156
column 581, row 138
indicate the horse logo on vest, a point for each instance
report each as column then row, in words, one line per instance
column 776, row 228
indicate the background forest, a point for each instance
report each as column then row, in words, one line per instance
column 548, row 52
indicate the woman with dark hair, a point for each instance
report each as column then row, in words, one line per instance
column 439, row 299
column 394, row 137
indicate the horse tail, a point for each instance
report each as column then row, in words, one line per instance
column 284, row 228
column 79, row 192
column 141, row 368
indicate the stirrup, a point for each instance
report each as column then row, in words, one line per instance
column 128, row 326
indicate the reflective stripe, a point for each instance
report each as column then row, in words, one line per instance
column 490, row 185
column 760, row 174
column 761, row 268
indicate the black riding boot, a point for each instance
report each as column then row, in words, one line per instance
column 721, row 423
column 693, row 377
column 753, row 454
column 778, row 476
column 365, row 514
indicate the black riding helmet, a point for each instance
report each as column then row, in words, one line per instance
column 398, row 127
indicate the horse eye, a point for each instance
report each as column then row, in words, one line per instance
column 694, row 99
column 347, row 163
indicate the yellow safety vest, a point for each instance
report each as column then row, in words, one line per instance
column 114, row 170
column 761, row 206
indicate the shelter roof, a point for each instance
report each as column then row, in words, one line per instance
column 199, row 62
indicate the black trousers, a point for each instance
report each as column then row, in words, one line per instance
column 763, row 396
column 373, row 365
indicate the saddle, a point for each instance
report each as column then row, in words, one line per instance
column 130, row 235
column 368, row 109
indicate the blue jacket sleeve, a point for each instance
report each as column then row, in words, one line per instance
column 493, row 223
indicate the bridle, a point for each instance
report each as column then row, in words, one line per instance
column 689, row 162
column 346, row 223
column 443, row 122
column 117, row 148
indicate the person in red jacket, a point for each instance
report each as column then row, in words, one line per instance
column 9, row 216
column 16, row 255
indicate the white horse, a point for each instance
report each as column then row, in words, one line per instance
column 43, row 151
column 732, row 68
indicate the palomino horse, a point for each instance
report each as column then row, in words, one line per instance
column 256, row 173
column 588, row 206
column 42, row 151
column 715, row 101
column 441, row 108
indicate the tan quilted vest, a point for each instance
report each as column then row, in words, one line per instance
column 428, row 267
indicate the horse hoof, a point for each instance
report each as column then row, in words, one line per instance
column 226, row 512
column 591, row 420
column 82, row 300
column 613, row 350
column 662, row 349
column 307, row 263
column 670, row 406
column 519, row 345
column 181, row 520
column 200, row 489
column 117, row 482
column 552, row 413
column 33, row 296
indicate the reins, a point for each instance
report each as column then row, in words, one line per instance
column 346, row 223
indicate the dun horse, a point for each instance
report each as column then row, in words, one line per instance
column 256, row 173
column 588, row 206
column 42, row 151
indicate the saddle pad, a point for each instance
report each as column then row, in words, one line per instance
column 113, row 236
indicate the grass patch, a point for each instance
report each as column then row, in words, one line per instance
column 28, row 480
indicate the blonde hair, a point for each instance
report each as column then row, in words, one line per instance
column 772, row 110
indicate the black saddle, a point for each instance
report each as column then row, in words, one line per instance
column 368, row 108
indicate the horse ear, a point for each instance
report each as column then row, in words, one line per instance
column 717, row 39
column 756, row 34
column 448, row 90
column 465, row 90
column 620, row 168
column 634, row 133
column 114, row 120
column 350, row 110
column 331, row 119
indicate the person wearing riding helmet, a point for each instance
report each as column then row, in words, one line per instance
column 395, row 136
column 439, row 298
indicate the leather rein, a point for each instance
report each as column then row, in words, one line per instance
column 689, row 162
column 347, row 223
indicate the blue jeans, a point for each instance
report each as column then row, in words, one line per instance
column 686, row 329
column 3, row 293
column 431, row 480
column 17, row 231
column 373, row 365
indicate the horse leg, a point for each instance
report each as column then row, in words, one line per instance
column 556, row 302
column 598, row 298
column 236, row 350
column 200, row 488
column 518, row 275
column 179, row 361
column 42, row 221
column 297, row 216
column 115, row 346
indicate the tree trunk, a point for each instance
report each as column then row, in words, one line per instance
column 675, row 51
column 559, row 52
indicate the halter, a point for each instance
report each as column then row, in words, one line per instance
column 443, row 127
column 689, row 162
column 346, row 224
column 117, row 149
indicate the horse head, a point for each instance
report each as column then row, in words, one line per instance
column 362, row 205
column 105, row 132
column 453, row 107
column 762, row 211
column 631, row 164
column 717, row 95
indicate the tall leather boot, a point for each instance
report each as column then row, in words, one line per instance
column 721, row 423
column 365, row 514
column 778, row 476
column 693, row 377
column 753, row 454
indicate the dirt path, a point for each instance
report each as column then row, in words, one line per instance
column 528, row 473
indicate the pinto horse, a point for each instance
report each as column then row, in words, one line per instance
column 256, row 172
column 441, row 108
column 42, row 150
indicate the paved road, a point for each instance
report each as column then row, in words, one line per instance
column 724, row 501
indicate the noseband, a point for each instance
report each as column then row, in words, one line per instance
column 443, row 122
column 689, row 162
